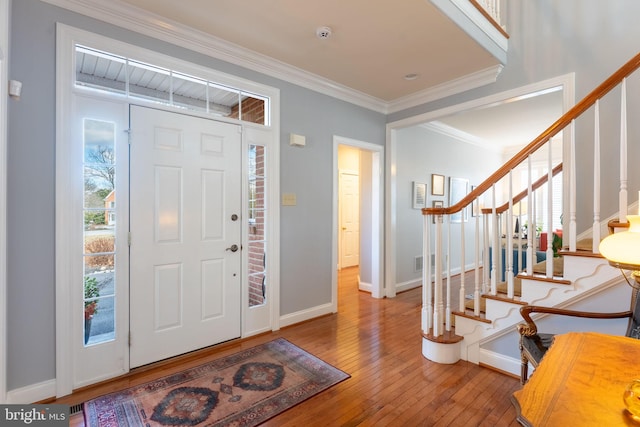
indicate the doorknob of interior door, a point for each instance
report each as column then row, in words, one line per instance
column 232, row 248
column 344, row 228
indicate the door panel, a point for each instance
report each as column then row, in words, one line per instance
column 185, row 187
column 350, row 219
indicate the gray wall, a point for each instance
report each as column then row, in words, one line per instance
column 420, row 153
column 306, row 228
column 592, row 38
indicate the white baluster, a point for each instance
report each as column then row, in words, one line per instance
column 550, row 211
column 596, row 179
column 572, row 191
column 496, row 245
column 486, row 267
column 427, row 293
column 476, row 294
column 462, row 264
column 623, row 198
column 531, row 227
column 448, row 305
column 508, row 250
column 437, row 292
column 520, row 263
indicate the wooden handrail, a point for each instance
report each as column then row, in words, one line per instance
column 565, row 120
column 521, row 195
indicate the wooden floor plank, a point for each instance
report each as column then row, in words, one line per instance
column 378, row 342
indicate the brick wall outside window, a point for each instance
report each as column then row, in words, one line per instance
column 257, row 253
column 252, row 110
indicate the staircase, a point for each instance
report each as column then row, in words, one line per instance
column 481, row 326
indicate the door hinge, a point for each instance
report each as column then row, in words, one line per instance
column 129, row 339
column 128, row 131
column 129, row 239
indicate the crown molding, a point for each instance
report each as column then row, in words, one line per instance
column 452, row 87
column 134, row 19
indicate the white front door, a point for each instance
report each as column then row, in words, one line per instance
column 349, row 219
column 185, row 287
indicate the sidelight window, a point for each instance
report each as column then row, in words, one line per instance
column 99, row 230
column 256, row 232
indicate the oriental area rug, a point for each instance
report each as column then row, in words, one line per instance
column 243, row 389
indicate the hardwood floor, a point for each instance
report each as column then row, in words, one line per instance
column 378, row 342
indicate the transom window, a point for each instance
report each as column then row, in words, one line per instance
column 103, row 71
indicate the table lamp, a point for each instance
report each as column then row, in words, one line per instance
column 622, row 249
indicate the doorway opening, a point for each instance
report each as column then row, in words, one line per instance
column 454, row 116
column 357, row 215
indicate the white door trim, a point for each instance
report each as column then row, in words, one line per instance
column 65, row 256
column 377, row 227
column 4, row 72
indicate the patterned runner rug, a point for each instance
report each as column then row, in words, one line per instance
column 243, row 389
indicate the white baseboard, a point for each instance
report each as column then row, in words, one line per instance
column 414, row 283
column 365, row 287
column 308, row 314
column 500, row 361
column 411, row 284
column 32, row 393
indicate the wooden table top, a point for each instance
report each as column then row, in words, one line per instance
column 580, row 382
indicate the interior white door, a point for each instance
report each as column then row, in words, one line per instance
column 185, row 263
column 349, row 219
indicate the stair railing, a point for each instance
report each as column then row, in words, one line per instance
column 437, row 308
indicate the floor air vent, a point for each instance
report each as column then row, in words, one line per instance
column 75, row 409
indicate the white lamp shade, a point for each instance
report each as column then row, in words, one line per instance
column 623, row 248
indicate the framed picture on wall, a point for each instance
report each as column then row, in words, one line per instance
column 458, row 188
column 419, row 195
column 437, row 184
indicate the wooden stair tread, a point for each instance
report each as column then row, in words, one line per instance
column 543, row 278
column 503, row 297
column 469, row 314
column 500, row 296
column 447, row 337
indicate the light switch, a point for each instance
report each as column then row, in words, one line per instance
column 289, row 199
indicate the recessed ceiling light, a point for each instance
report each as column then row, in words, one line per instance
column 323, row 32
column 411, row 76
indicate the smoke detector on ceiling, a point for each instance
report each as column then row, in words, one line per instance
column 323, row 32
